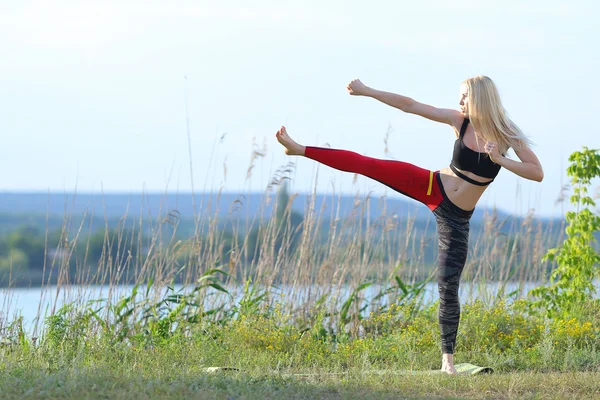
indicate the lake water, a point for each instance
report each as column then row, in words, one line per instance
column 31, row 302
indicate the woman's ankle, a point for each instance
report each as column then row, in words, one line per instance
column 448, row 358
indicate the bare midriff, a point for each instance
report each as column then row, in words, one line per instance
column 460, row 192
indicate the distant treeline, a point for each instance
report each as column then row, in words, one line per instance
column 35, row 242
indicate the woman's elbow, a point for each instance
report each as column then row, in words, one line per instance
column 539, row 175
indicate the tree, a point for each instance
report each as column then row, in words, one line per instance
column 30, row 241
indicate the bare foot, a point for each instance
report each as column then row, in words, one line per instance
column 291, row 148
column 448, row 364
column 449, row 369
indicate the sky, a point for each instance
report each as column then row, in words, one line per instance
column 115, row 96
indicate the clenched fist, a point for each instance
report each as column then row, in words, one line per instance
column 492, row 149
column 357, row 88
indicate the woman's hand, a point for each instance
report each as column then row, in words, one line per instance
column 357, row 88
column 492, row 149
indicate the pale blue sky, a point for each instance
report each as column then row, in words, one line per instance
column 92, row 93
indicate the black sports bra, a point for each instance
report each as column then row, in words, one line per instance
column 473, row 161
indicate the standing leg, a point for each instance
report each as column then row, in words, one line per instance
column 453, row 246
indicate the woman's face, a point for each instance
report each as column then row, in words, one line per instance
column 464, row 100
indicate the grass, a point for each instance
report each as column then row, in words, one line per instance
column 277, row 357
column 176, row 368
column 98, row 382
column 315, row 340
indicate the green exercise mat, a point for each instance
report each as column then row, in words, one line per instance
column 463, row 369
column 221, row 369
column 467, row 368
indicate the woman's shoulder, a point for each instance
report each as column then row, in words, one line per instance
column 459, row 124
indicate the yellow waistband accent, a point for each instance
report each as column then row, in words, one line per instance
column 430, row 182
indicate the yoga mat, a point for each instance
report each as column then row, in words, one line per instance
column 462, row 369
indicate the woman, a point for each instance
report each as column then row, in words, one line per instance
column 484, row 134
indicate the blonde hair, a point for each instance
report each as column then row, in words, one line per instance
column 489, row 118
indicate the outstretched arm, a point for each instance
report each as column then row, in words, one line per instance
column 529, row 167
column 406, row 104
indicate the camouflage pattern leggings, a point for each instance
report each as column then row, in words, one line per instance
column 453, row 246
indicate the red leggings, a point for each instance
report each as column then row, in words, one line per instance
column 415, row 182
